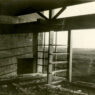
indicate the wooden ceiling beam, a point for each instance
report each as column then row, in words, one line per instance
column 78, row 22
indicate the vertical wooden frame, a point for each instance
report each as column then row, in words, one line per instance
column 69, row 67
column 43, row 67
column 35, row 48
column 40, row 53
column 51, row 37
column 49, row 74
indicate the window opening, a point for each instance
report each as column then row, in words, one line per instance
column 54, row 55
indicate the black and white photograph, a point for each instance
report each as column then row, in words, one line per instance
column 47, row 47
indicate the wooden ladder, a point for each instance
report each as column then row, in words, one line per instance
column 68, row 62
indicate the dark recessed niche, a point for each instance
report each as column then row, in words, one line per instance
column 25, row 66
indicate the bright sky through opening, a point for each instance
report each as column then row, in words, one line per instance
column 81, row 38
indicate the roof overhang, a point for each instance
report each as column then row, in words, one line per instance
column 21, row 7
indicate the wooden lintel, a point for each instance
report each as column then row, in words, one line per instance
column 77, row 22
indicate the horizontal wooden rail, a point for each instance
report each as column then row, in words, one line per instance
column 75, row 22
column 52, row 45
column 59, row 53
column 16, row 55
column 8, row 65
column 42, row 64
column 9, row 72
column 15, row 48
column 43, row 51
column 43, row 58
column 58, row 71
column 56, row 82
column 59, row 62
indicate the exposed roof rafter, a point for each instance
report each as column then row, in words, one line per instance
column 61, row 10
column 43, row 16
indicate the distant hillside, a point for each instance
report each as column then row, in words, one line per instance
column 83, row 63
column 84, row 51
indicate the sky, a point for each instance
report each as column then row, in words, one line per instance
column 80, row 9
column 83, row 38
column 80, row 38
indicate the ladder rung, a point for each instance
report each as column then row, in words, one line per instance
column 43, row 51
column 56, row 82
column 52, row 45
column 42, row 65
column 59, row 45
column 59, row 71
column 61, row 79
column 59, row 62
column 59, row 53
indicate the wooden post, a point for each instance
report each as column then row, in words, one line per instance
column 35, row 41
column 50, row 14
column 51, row 35
column 49, row 75
column 69, row 67
column 55, row 49
column 44, row 35
column 40, row 53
